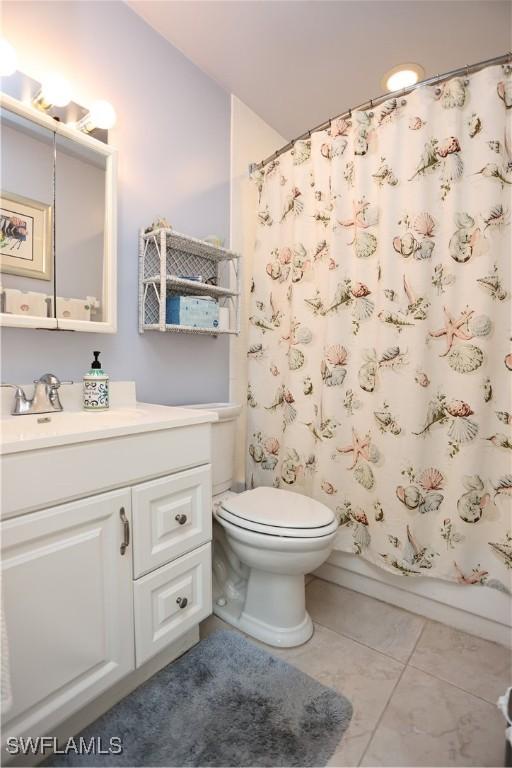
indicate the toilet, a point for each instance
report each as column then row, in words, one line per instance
column 264, row 542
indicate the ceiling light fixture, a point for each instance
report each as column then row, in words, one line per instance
column 102, row 115
column 55, row 92
column 402, row 76
column 8, row 58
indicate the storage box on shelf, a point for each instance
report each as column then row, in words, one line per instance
column 169, row 265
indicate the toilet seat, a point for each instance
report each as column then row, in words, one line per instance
column 276, row 512
column 271, row 530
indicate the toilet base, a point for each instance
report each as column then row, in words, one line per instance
column 261, row 591
column 282, row 637
column 268, row 606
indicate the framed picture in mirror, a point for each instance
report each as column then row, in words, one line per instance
column 25, row 237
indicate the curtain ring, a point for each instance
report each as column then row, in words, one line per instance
column 350, row 113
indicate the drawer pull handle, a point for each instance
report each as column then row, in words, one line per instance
column 126, row 531
column 181, row 519
column 182, row 602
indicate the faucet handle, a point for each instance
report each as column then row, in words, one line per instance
column 51, row 380
column 54, row 383
column 19, row 394
column 20, row 399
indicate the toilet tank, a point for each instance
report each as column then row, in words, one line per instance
column 223, row 443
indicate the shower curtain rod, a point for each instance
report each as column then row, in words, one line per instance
column 466, row 70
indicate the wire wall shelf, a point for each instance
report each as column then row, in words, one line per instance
column 168, row 261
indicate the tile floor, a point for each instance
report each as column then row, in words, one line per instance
column 423, row 694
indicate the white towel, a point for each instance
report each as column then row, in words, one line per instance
column 504, row 705
column 6, row 689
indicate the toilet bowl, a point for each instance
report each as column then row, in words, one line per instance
column 265, row 541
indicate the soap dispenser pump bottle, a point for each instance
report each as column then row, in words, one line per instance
column 95, row 391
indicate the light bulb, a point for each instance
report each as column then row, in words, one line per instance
column 55, row 91
column 102, row 115
column 8, row 58
column 402, row 79
column 402, row 76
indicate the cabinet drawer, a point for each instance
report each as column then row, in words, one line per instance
column 171, row 516
column 170, row 601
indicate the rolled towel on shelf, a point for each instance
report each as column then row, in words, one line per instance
column 223, row 318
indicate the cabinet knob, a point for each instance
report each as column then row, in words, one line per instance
column 181, row 519
column 182, row 602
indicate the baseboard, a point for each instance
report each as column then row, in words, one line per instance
column 431, row 598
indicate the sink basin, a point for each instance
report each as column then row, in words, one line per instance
column 31, row 432
column 53, row 458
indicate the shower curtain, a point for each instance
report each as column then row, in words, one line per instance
column 380, row 357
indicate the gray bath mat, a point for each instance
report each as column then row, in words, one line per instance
column 224, row 703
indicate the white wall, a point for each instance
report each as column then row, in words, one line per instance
column 252, row 140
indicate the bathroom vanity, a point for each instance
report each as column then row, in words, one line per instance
column 106, row 562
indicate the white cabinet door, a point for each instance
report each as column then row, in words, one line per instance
column 172, row 600
column 171, row 516
column 68, row 606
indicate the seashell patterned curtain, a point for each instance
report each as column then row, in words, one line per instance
column 380, row 356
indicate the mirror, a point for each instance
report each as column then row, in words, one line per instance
column 57, row 226
column 79, row 231
column 26, row 251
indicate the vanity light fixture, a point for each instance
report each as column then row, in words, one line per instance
column 53, row 96
column 55, row 92
column 402, row 76
column 8, row 58
column 102, row 115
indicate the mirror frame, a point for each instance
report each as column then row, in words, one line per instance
column 109, row 297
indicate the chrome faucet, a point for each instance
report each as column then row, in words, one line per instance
column 44, row 400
